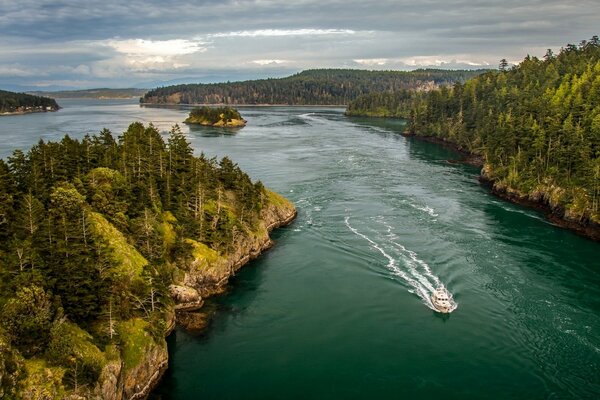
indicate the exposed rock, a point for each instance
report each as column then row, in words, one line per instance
column 184, row 294
column 193, row 321
column 140, row 380
column 108, row 385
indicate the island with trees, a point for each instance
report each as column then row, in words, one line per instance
column 12, row 103
column 311, row 87
column 104, row 245
column 223, row 117
column 536, row 127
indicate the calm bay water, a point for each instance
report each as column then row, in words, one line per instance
column 339, row 307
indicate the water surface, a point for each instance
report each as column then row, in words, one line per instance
column 339, row 308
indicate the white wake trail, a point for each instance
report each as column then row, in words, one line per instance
column 421, row 289
column 414, row 262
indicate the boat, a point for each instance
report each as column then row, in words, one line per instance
column 442, row 300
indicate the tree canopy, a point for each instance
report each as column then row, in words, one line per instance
column 315, row 87
column 93, row 231
column 537, row 125
column 11, row 102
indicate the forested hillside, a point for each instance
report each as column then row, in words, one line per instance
column 316, row 87
column 100, row 93
column 397, row 104
column 92, row 233
column 11, row 102
column 537, row 125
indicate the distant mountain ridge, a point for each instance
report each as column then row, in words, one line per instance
column 310, row 87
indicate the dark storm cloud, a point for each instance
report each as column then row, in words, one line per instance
column 121, row 43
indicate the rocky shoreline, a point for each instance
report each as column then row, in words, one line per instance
column 189, row 294
column 554, row 213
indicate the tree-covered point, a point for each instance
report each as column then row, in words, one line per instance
column 92, row 232
column 314, row 87
column 537, row 125
column 216, row 116
column 396, row 104
column 11, row 102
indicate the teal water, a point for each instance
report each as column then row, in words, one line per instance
column 338, row 308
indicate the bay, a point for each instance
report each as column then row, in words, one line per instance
column 339, row 307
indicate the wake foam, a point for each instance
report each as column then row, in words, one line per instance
column 412, row 270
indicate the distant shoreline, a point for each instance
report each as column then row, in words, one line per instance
column 7, row 114
column 242, row 105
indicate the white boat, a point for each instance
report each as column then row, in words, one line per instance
column 442, row 300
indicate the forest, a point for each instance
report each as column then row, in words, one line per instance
column 314, row 87
column 396, row 104
column 92, row 232
column 11, row 102
column 215, row 116
column 536, row 125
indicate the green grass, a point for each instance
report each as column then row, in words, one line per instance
column 42, row 381
column 169, row 234
column 135, row 340
column 277, row 199
column 129, row 260
column 203, row 255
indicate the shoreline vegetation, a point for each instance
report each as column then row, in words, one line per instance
column 534, row 128
column 105, row 245
column 99, row 93
column 316, row 87
column 12, row 103
column 221, row 117
column 554, row 214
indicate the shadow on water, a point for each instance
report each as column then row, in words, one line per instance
column 212, row 131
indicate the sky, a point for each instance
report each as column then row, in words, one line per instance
column 75, row 44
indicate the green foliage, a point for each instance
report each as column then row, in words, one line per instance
column 319, row 86
column 395, row 104
column 11, row 369
column 11, row 102
column 72, row 347
column 134, row 340
column 27, row 318
column 213, row 115
column 101, row 223
column 536, row 125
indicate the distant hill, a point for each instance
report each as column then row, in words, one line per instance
column 100, row 93
column 21, row 103
column 315, row 87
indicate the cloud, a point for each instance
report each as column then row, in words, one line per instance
column 116, row 43
column 268, row 62
column 156, row 48
column 284, row 32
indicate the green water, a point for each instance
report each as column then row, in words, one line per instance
column 338, row 308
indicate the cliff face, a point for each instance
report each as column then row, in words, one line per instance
column 132, row 370
column 209, row 273
column 545, row 198
column 206, row 275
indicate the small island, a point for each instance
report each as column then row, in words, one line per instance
column 225, row 117
column 20, row 103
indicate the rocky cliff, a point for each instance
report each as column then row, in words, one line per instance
column 209, row 272
column 206, row 275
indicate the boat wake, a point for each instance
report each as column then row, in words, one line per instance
column 413, row 271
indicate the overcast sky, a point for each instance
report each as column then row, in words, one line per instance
column 110, row 43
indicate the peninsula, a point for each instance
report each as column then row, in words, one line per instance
column 223, row 117
column 12, row 103
column 114, row 250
